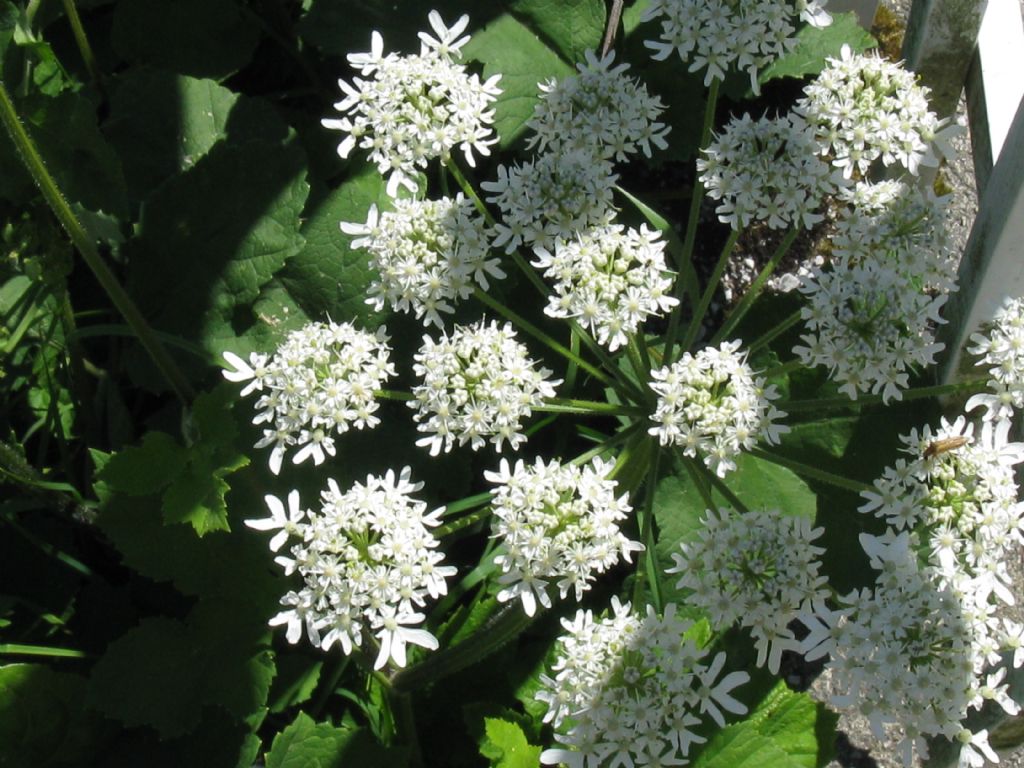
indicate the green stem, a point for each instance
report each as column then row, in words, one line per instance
column 463, row 522
column 773, row 333
column 338, row 667
column 470, row 502
column 500, row 629
column 698, row 481
column 570, row 405
column 467, row 188
column 916, row 393
column 693, row 329
column 813, row 473
column 646, row 562
column 537, row 333
column 619, row 437
column 722, row 488
column 87, row 248
column 390, row 394
column 17, row 649
column 71, row 562
column 755, row 288
column 691, row 221
column 83, row 44
column 405, row 727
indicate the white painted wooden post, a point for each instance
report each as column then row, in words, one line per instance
column 865, row 9
column 993, row 262
column 940, row 41
column 995, row 83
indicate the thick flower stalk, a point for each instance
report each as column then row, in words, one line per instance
column 904, row 654
column 319, row 383
column 428, row 254
column 479, row 384
column 1002, row 352
column 758, row 569
column 714, row 406
column 767, row 170
column 863, row 108
column 632, row 691
column 368, row 562
column 599, row 109
column 609, row 279
column 558, row 194
column 408, row 110
column 556, row 524
column 719, row 35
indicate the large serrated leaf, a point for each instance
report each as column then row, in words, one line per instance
column 203, row 38
column 164, row 672
column 144, row 469
column 235, row 218
column 814, row 45
column 162, row 123
column 509, row 47
column 506, row 745
column 328, row 277
column 570, row 26
column 308, row 744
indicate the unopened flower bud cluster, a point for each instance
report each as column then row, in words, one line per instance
column 610, row 280
column 631, row 690
column 478, row 384
column 408, row 110
column 722, row 35
column 863, row 108
column 319, row 383
column 758, row 569
column 557, row 524
column 767, row 170
column 368, row 562
column 714, row 406
column 1001, row 350
column 429, row 255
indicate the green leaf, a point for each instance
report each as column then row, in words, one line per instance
column 144, row 469
column 196, row 497
column 506, row 745
column 83, row 164
column 162, row 124
column 508, row 47
column 164, row 672
column 328, row 277
column 308, row 744
column 737, row 747
column 203, row 38
column 236, row 216
column 571, row 26
column 296, row 680
column 814, row 45
column 42, row 721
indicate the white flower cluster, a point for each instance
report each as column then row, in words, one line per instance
column 1002, row 350
column 368, row 562
column 600, row 110
column 556, row 521
column 408, row 110
column 863, row 107
column 717, row 35
column 869, row 317
column 633, row 691
column 712, row 404
column 478, row 383
column 560, row 193
column 900, row 224
column 610, row 279
column 428, row 253
column 759, row 569
column 768, row 170
column 320, row 382
column 906, row 656
column 959, row 491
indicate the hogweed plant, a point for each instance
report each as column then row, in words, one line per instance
column 567, row 507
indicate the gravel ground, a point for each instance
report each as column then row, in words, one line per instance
column 857, row 747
